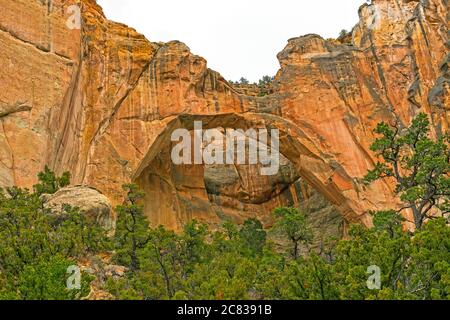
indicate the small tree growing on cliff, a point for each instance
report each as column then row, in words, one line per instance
column 243, row 81
column 418, row 164
column 343, row 33
column 265, row 80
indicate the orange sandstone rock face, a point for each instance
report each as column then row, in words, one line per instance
column 102, row 101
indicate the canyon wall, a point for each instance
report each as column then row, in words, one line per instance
column 101, row 101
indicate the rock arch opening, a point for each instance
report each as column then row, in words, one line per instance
column 213, row 193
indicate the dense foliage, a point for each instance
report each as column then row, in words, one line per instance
column 38, row 246
column 240, row 263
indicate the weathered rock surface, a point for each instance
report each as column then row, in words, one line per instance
column 102, row 269
column 102, row 102
column 94, row 205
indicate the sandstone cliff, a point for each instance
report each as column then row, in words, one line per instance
column 101, row 102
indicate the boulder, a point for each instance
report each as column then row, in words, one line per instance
column 93, row 204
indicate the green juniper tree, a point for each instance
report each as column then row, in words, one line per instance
column 343, row 33
column 265, row 80
column 132, row 228
column 418, row 164
column 243, row 80
column 253, row 236
column 291, row 222
column 46, row 280
column 50, row 183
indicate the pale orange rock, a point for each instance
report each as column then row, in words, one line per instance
column 102, row 102
column 91, row 203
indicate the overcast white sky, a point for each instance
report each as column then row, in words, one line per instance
column 237, row 37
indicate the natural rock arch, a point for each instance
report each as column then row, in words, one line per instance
column 325, row 176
